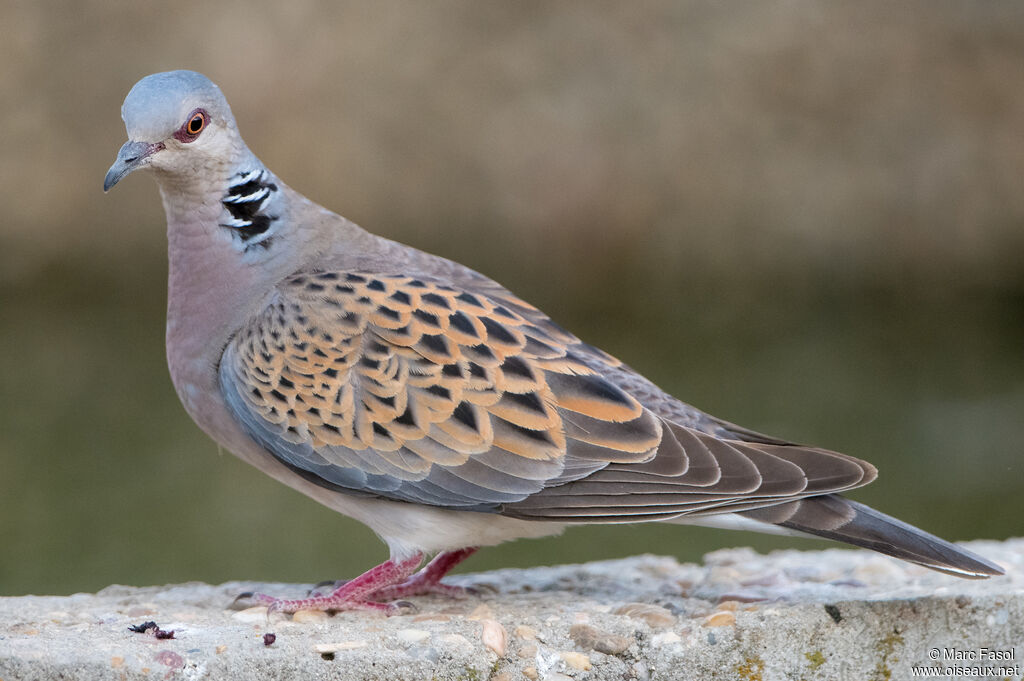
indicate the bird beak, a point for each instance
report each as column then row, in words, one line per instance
column 132, row 156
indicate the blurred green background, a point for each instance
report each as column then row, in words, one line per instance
column 804, row 217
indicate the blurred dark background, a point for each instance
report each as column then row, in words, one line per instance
column 803, row 217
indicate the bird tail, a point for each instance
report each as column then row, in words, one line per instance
column 835, row 517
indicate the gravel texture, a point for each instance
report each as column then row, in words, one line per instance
column 835, row 614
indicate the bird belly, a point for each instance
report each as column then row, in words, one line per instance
column 414, row 528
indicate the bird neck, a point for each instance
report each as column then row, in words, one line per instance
column 227, row 241
column 232, row 237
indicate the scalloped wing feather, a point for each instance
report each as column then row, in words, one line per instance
column 411, row 389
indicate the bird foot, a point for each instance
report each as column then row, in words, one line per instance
column 333, row 602
column 378, row 589
column 414, row 586
column 354, row 594
column 428, row 580
column 418, row 587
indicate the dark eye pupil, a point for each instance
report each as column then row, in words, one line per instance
column 195, row 125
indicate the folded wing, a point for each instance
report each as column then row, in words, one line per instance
column 410, row 389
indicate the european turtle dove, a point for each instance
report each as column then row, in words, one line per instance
column 424, row 399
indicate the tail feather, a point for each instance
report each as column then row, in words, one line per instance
column 834, row 517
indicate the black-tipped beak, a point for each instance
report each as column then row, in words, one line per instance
column 132, row 156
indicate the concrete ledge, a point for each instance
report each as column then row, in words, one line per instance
column 834, row 614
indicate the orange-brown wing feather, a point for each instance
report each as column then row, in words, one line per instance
column 412, row 389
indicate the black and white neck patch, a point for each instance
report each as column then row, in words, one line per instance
column 247, row 196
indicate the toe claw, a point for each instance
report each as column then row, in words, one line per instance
column 242, row 596
column 405, row 605
column 332, row 584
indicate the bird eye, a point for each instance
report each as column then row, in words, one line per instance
column 194, row 125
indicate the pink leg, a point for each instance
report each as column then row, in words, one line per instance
column 428, row 580
column 352, row 595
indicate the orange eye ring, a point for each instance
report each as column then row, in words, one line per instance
column 196, row 124
column 193, row 125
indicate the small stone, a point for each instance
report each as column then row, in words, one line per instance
column 592, row 638
column 116, row 661
column 309, row 616
column 655, row 615
column 457, row 640
column 326, row 648
column 531, row 673
column 269, row 638
column 728, row 605
column 526, row 633
column 528, row 652
column 493, row 636
column 720, row 619
column 481, row 612
column 220, row 649
column 412, row 636
column 665, row 638
column 576, row 660
column 257, row 613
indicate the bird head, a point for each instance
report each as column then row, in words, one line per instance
column 179, row 124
